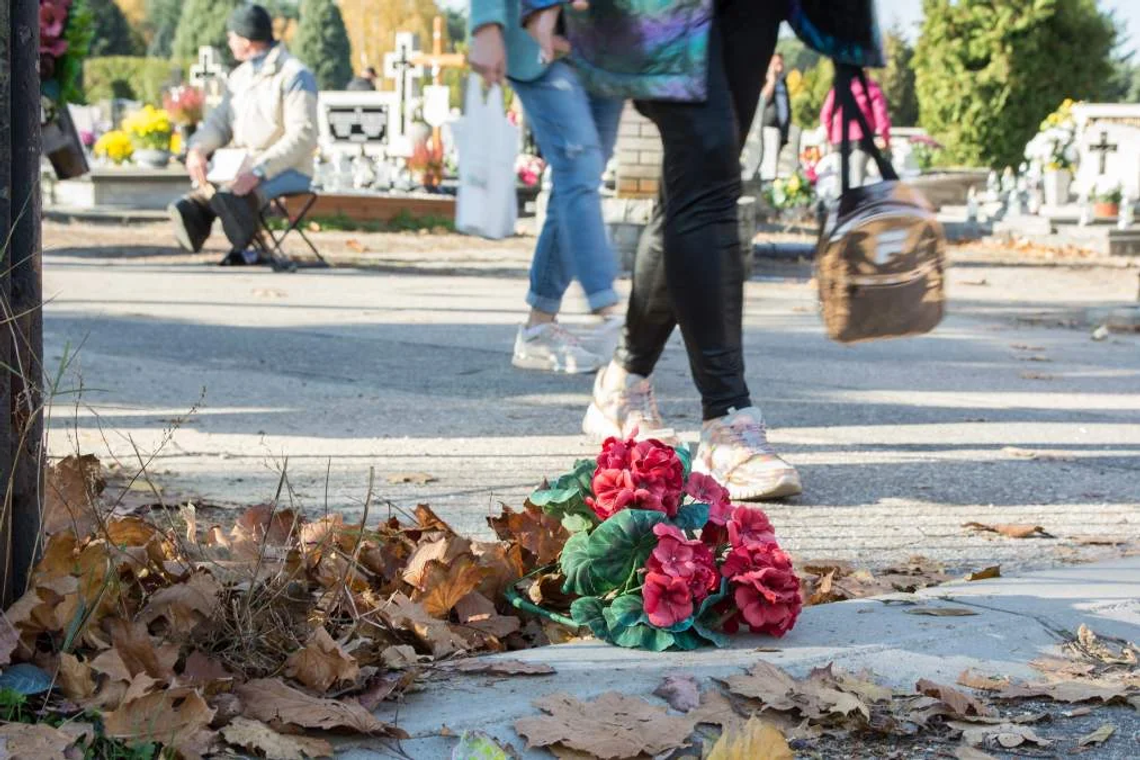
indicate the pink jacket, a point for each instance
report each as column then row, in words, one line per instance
column 874, row 110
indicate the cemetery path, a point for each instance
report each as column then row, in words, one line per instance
column 1004, row 415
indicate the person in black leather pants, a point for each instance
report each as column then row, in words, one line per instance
column 690, row 271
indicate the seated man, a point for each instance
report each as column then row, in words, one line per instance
column 270, row 111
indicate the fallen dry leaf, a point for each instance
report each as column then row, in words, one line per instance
column 265, row 524
column 24, row 741
column 9, row 640
column 138, row 652
column 986, row 574
column 321, row 663
column 1010, row 531
column 76, row 679
column 717, row 709
column 980, row 682
column 610, row 727
column 1003, row 735
column 767, row 683
column 71, row 490
column 355, row 245
column 1100, row 736
column 958, row 701
column 202, row 670
column 940, row 611
column 384, row 686
column 758, row 741
column 172, row 717
column 418, row 478
column 501, row 667
column 184, row 605
column 1071, row 691
column 399, row 657
column 446, row 584
column 404, row 614
column 681, row 692
column 966, row 752
column 255, row 736
column 443, row 550
column 535, row 531
column 269, row 700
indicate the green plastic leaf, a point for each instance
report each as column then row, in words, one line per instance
column 686, row 457
column 589, row 611
column 687, row 641
column 627, row 630
column 692, row 516
column 705, row 621
column 554, row 497
column 605, row 559
column 577, row 523
column 583, row 472
column 26, row 679
column 625, row 611
column 479, row 746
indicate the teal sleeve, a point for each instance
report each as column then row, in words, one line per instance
column 483, row 12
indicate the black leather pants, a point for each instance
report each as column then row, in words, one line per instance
column 689, row 270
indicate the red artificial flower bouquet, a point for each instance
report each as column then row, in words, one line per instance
column 659, row 558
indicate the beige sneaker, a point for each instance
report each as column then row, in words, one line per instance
column 626, row 410
column 735, row 450
column 550, row 347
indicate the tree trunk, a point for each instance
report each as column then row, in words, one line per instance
column 21, row 320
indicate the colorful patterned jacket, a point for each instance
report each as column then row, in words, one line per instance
column 658, row 49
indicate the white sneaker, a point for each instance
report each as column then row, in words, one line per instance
column 735, row 450
column 603, row 339
column 550, row 348
column 625, row 412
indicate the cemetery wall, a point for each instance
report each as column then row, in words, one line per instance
column 639, row 154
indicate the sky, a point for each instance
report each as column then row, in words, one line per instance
column 909, row 14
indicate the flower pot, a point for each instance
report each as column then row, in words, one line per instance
column 1103, row 210
column 62, row 146
column 152, row 158
column 1056, row 184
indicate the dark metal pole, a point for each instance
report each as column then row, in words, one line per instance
column 21, row 336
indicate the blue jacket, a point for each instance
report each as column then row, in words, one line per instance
column 522, row 50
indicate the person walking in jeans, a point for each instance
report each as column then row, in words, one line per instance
column 696, row 68
column 576, row 133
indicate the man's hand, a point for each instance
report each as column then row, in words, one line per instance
column 198, row 166
column 244, row 183
column 541, row 26
column 488, row 54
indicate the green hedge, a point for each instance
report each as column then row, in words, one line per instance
column 131, row 77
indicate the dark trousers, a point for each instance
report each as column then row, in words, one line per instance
column 689, row 269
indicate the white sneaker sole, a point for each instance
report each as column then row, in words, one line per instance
column 598, row 427
column 786, row 486
column 552, row 364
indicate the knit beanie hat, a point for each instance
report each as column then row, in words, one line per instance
column 251, row 22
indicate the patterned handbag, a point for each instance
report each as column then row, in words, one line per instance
column 881, row 257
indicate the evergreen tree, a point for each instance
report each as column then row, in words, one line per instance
column 111, row 33
column 203, row 22
column 162, row 22
column 322, row 44
column 897, row 80
column 988, row 73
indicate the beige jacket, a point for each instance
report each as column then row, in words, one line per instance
column 269, row 110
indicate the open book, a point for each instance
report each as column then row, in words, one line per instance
column 226, row 164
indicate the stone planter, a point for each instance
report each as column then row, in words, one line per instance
column 1056, row 185
column 150, row 158
column 1106, row 210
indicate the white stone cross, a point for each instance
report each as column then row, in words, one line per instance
column 208, row 74
column 398, row 66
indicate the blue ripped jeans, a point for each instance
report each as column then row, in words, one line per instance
column 576, row 132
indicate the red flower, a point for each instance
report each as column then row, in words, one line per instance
column 667, row 600
column 749, row 525
column 637, row 475
column 680, row 557
column 765, row 587
column 706, row 490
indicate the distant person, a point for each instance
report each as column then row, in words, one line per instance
column 873, row 104
column 776, row 104
column 576, row 131
column 269, row 110
column 363, row 82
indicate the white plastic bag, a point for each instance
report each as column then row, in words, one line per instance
column 488, row 143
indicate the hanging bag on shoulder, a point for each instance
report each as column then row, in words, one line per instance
column 881, row 255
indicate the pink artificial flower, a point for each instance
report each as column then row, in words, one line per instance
column 681, row 557
column 615, row 454
column 53, row 16
column 613, row 492
column 749, row 525
column 657, row 467
column 706, row 490
column 653, row 478
column 667, row 599
column 765, row 588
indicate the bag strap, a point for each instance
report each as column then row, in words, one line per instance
column 850, row 111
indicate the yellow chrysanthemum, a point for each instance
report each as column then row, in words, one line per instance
column 115, row 145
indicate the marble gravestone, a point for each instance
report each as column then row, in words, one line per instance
column 351, row 121
column 1109, row 145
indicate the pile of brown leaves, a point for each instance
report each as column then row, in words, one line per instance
column 194, row 636
column 826, row 581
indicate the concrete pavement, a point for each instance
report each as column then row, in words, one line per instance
column 1004, row 415
column 1017, row 620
